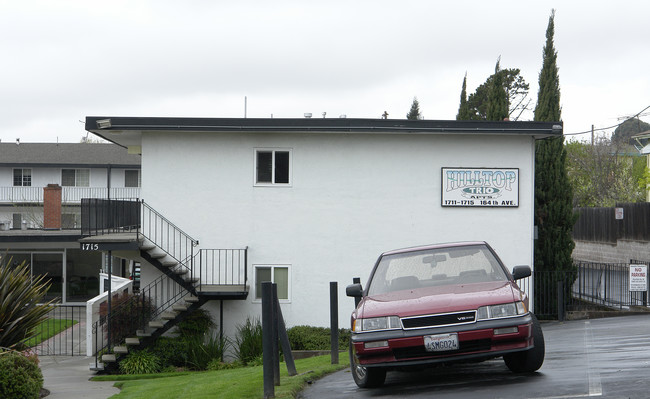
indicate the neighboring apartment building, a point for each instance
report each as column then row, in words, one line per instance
column 41, row 179
column 317, row 200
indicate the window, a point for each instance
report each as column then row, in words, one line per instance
column 75, row 177
column 278, row 274
column 131, row 178
column 272, row 167
column 22, row 177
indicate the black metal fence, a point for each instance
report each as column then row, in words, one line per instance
column 63, row 333
column 590, row 286
column 103, row 216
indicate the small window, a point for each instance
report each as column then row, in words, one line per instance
column 22, row 177
column 75, row 177
column 132, row 178
column 272, row 167
column 17, row 221
column 274, row 274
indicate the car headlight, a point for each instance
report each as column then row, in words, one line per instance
column 500, row 311
column 377, row 323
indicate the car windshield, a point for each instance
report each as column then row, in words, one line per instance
column 435, row 267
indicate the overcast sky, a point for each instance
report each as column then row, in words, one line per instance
column 64, row 60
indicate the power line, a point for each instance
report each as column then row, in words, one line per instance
column 609, row 127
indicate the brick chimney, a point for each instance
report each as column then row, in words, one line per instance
column 52, row 207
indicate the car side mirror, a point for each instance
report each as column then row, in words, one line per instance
column 354, row 290
column 522, row 271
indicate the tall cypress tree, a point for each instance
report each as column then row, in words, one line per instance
column 414, row 112
column 463, row 109
column 554, row 216
column 497, row 98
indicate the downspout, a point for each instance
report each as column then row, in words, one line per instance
column 108, row 180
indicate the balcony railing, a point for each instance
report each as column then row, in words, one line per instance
column 69, row 195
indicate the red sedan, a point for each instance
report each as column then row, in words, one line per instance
column 441, row 304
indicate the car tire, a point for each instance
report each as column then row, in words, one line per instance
column 366, row 377
column 531, row 360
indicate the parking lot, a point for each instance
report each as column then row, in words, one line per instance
column 607, row 358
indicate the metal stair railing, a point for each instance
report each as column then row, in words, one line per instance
column 168, row 237
column 132, row 313
column 222, row 267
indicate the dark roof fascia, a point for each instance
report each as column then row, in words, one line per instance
column 40, row 238
column 332, row 125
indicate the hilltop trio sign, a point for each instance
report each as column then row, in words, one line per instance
column 480, row 187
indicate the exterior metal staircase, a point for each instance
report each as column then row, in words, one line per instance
column 190, row 276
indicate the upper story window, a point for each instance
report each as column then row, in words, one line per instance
column 22, row 177
column 272, row 167
column 75, row 177
column 132, row 178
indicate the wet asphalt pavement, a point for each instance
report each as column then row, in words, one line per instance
column 607, row 358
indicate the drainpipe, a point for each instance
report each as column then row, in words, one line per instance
column 108, row 180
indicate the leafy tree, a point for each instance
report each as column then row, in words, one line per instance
column 605, row 173
column 516, row 94
column 497, row 109
column 554, row 214
column 463, row 109
column 629, row 128
column 19, row 299
column 414, row 114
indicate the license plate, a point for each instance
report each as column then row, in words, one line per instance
column 441, row 342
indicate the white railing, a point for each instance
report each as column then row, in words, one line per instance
column 93, row 306
column 68, row 194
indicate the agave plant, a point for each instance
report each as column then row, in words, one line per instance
column 19, row 299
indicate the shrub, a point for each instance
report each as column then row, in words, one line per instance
column 19, row 295
column 315, row 338
column 216, row 364
column 20, row 376
column 248, row 341
column 129, row 312
column 172, row 351
column 140, row 362
column 197, row 323
column 202, row 350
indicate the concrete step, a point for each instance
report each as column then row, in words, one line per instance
column 169, row 263
column 179, row 308
column 191, row 299
column 157, row 324
column 143, row 333
column 180, row 271
column 168, row 315
column 96, row 367
column 108, row 358
column 147, row 245
column 121, row 349
column 192, row 280
column 157, row 254
column 132, row 341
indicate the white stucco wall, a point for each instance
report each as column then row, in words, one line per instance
column 352, row 197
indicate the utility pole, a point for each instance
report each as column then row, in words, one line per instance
column 592, row 135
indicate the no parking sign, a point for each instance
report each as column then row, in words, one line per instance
column 638, row 277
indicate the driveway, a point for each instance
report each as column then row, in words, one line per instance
column 607, row 358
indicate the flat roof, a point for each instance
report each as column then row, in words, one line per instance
column 126, row 131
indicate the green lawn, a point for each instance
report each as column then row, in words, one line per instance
column 240, row 383
column 49, row 328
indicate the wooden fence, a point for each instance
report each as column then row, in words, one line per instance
column 601, row 224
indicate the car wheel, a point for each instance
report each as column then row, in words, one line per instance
column 532, row 359
column 366, row 377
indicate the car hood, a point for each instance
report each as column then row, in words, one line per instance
column 444, row 299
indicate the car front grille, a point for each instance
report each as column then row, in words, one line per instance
column 464, row 347
column 439, row 320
